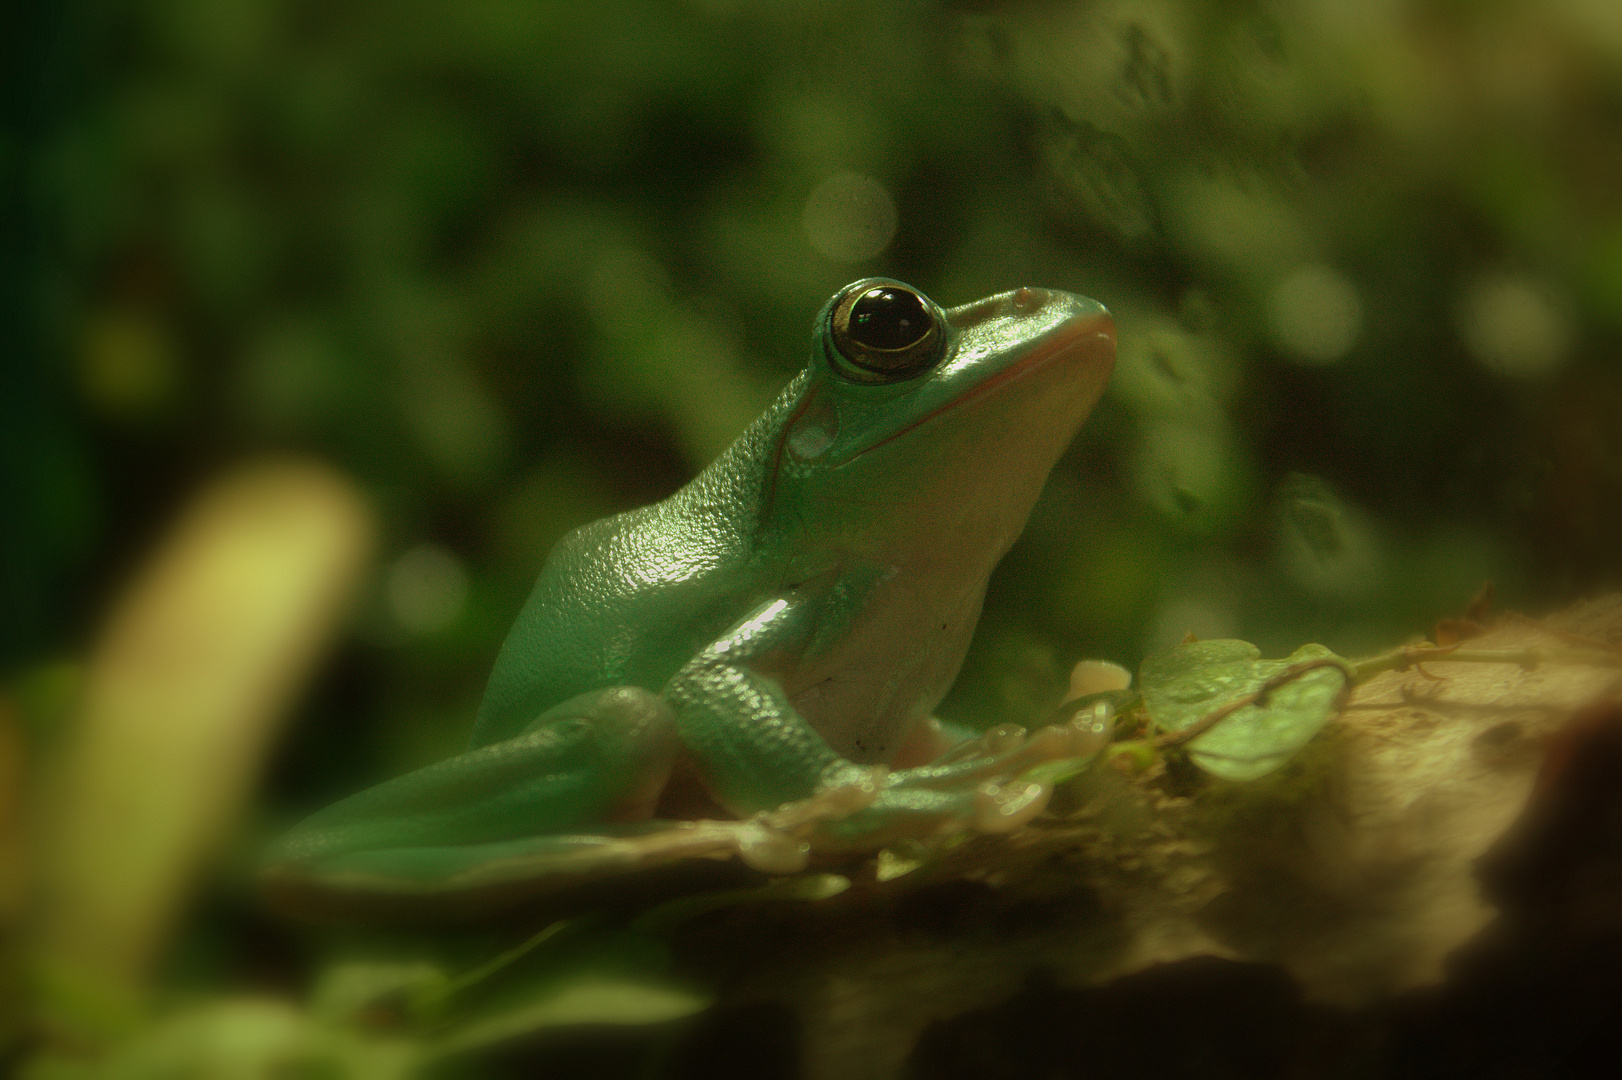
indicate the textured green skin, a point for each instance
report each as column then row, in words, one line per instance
column 794, row 612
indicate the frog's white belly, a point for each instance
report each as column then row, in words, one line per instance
column 891, row 669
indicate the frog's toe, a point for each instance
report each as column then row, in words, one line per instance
column 1005, row 807
column 1083, row 736
column 772, row 851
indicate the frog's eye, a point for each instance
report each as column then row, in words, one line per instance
column 886, row 331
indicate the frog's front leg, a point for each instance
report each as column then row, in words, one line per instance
column 757, row 754
column 547, row 799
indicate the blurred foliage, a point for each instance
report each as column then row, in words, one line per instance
column 516, row 265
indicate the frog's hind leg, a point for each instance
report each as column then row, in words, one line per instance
column 582, row 771
column 633, row 747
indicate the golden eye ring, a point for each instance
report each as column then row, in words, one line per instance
column 886, row 331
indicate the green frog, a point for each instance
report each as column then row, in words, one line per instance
column 748, row 668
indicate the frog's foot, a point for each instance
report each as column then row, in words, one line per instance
column 992, row 784
column 1009, row 750
column 1002, row 805
column 981, row 785
column 784, row 835
column 489, row 876
column 773, row 842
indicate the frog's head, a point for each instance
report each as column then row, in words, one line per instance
column 921, row 424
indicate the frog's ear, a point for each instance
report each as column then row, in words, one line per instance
column 813, row 429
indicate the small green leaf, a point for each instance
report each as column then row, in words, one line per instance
column 1184, row 686
column 591, row 999
column 437, row 996
column 346, row 990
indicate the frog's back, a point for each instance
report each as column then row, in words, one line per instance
column 624, row 601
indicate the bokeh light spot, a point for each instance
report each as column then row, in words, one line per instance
column 1314, row 315
column 129, row 364
column 1191, row 473
column 426, row 589
column 1513, row 325
column 850, row 217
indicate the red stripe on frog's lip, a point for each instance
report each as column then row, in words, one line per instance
column 1061, row 341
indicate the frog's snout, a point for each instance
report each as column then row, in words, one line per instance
column 1031, row 304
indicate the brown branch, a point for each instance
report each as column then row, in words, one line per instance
column 1411, row 656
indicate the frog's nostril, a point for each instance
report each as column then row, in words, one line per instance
column 1025, row 298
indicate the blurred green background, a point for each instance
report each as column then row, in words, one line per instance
column 513, row 265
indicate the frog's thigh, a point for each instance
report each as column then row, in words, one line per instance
column 594, row 759
column 597, row 758
column 621, row 745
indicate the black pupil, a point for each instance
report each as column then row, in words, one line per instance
column 888, row 318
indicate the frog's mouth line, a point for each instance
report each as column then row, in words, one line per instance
column 1062, row 341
